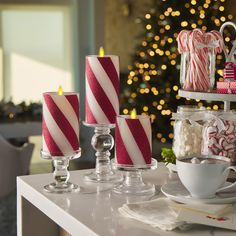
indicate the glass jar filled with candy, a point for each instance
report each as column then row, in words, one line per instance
column 219, row 134
column 188, row 130
column 198, row 51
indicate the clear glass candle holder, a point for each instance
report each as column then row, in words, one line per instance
column 133, row 183
column 61, row 174
column 102, row 142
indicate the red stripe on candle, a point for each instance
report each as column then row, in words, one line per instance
column 62, row 122
column 122, row 155
column 111, row 72
column 90, row 119
column 100, row 95
column 53, row 149
column 74, row 102
column 140, row 138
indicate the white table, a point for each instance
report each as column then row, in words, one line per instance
column 40, row 214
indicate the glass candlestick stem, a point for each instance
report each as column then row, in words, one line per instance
column 102, row 142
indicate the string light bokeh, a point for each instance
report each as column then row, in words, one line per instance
column 153, row 81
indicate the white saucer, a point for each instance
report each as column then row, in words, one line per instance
column 177, row 192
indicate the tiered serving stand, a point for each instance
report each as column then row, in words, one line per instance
column 209, row 96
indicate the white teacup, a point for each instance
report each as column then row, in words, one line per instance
column 203, row 180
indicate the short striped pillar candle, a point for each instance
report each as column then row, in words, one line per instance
column 60, row 128
column 133, row 140
column 102, row 89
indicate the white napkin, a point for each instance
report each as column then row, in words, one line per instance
column 156, row 213
column 215, row 210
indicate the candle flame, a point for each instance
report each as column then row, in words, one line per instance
column 133, row 114
column 60, row 90
column 101, row 52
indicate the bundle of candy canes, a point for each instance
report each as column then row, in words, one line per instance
column 219, row 138
column 198, row 45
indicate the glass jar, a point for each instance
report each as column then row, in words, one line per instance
column 197, row 70
column 219, row 134
column 188, row 131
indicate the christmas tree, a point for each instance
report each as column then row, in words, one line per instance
column 153, row 81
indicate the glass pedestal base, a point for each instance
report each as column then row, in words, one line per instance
column 133, row 183
column 64, row 188
column 145, row 189
column 111, row 177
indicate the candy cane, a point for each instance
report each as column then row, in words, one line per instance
column 182, row 40
column 199, row 59
column 218, row 36
column 228, row 57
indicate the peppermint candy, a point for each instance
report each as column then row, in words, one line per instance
column 217, row 141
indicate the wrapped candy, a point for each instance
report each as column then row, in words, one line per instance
column 219, row 134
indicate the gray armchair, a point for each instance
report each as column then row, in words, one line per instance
column 14, row 161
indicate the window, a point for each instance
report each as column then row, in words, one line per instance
column 36, row 51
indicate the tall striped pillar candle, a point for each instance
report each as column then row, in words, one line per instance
column 60, row 123
column 133, row 140
column 102, row 89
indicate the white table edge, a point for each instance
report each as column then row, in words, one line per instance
column 70, row 224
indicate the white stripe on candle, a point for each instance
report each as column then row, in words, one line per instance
column 148, row 130
column 65, row 107
column 105, row 82
column 95, row 108
column 45, row 147
column 56, row 133
column 130, row 144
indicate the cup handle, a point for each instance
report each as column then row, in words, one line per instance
column 231, row 185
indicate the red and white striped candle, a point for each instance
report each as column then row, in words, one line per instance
column 102, row 89
column 60, row 123
column 133, row 140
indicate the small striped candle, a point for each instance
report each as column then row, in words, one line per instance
column 102, row 89
column 133, row 137
column 60, row 128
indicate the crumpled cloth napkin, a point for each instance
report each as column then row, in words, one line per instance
column 156, row 213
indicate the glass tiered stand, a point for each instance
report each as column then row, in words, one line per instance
column 226, row 98
column 61, row 174
column 133, row 182
column 102, row 142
